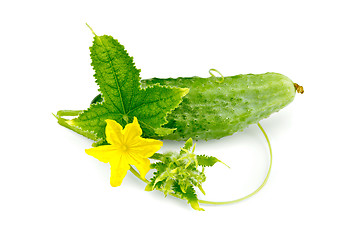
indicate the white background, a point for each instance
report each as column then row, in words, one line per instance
column 49, row 187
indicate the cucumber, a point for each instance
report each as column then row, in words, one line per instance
column 214, row 109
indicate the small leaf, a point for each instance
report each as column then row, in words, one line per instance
column 164, row 131
column 188, row 144
column 191, row 197
column 207, row 161
column 157, row 156
column 160, row 166
column 195, row 205
column 160, row 178
column 201, row 189
column 148, row 188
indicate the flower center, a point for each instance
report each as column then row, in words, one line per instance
column 123, row 148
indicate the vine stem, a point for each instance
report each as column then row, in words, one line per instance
column 66, row 123
column 91, row 29
column 236, row 200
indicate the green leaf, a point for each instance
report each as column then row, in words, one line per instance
column 164, row 131
column 207, row 161
column 157, row 156
column 160, row 166
column 189, row 195
column 123, row 98
column 188, row 144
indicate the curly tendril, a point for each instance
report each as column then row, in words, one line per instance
column 212, row 69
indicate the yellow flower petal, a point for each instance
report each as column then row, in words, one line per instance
column 105, row 153
column 119, row 170
column 132, row 132
column 114, row 133
column 145, row 147
column 142, row 164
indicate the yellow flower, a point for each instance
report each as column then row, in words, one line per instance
column 126, row 148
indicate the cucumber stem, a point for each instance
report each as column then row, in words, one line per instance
column 66, row 123
column 299, row 88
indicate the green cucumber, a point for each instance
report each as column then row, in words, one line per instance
column 214, row 109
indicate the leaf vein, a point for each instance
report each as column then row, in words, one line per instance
column 114, row 75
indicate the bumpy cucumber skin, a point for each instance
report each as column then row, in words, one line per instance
column 212, row 110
